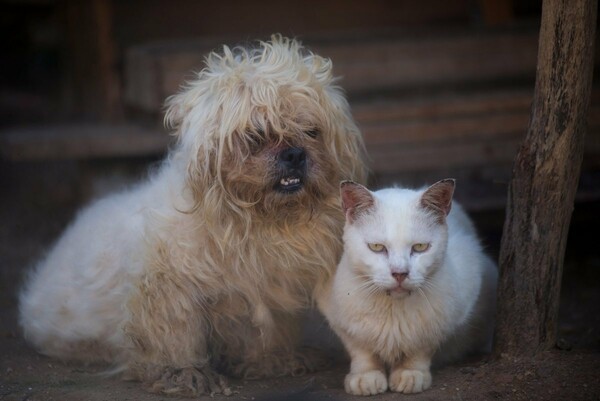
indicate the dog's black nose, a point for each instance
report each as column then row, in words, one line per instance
column 293, row 158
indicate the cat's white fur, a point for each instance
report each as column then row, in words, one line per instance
column 442, row 310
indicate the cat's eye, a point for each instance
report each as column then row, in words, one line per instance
column 376, row 247
column 419, row 248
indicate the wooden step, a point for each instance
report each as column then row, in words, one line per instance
column 455, row 131
column 81, row 141
column 449, row 130
column 367, row 65
column 471, row 138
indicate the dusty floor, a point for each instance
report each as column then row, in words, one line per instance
column 35, row 207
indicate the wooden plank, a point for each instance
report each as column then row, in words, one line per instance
column 401, row 130
column 443, row 105
column 93, row 84
column 457, row 143
column 155, row 71
column 483, row 188
column 367, row 65
column 139, row 22
column 496, row 12
column 425, row 61
column 80, row 141
column 445, row 130
column 389, row 159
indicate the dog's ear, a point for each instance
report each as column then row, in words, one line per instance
column 356, row 200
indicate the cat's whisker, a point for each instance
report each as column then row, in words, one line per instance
column 375, row 290
column 366, row 282
column 430, row 284
column 368, row 286
column 372, row 289
column 426, row 299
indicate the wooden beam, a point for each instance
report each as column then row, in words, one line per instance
column 544, row 182
column 93, row 83
column 367, row 65
column 496, row 12
column 81, row 141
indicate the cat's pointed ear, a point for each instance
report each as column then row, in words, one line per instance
column 356, row 199
column 438, row 197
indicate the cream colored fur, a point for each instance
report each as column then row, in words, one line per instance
column 204, row 265
column 443, row 308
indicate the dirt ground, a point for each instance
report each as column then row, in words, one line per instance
column 37, row 201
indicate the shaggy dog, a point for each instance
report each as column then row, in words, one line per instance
column 207, row 266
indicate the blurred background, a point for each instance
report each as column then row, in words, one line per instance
column 439, row 88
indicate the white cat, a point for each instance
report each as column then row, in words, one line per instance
column 413, row 285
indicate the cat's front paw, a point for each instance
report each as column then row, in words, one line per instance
column 366, row 383
column 409, row 381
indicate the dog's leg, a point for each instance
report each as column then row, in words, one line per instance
column 281, row 356
column 168, row 335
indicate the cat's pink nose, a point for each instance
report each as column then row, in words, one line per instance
column 399, row 277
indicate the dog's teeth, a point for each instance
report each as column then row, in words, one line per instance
column 288, row 181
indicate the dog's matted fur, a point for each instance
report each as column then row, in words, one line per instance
column 208, row 264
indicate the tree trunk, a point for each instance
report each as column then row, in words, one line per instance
column 545, row 177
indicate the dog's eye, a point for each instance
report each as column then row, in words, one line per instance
column 255, row 140
column 313, row 133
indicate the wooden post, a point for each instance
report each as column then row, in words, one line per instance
column 92, row 78
column 496, row 12
column 545, row 177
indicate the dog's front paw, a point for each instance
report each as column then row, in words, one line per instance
column 366, row 383
column 191, row 382
column 309, row 360
column 409, row 381
column 283, row 363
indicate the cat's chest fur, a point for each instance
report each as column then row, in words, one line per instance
column 389, row 326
